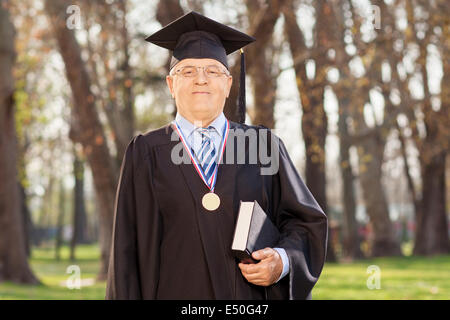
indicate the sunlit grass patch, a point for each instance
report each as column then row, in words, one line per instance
column 399, row 278
column 58, row 281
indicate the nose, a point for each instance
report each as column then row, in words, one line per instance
column 201, row 77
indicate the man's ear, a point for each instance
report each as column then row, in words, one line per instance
column 169, row 81
column 230, row 82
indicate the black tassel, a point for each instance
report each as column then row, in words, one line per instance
column 241, row 99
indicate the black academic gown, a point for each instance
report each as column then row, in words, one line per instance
column 167, row 246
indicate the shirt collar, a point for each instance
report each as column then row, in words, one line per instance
column 188, row 127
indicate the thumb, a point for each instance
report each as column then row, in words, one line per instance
column 262, row 254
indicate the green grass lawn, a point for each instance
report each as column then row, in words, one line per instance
column 55, row 274
column 411, row 278
column 399, row 278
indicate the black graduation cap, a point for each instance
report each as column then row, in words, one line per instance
column 196, row 36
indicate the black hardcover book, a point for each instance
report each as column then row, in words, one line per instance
column 253, row 231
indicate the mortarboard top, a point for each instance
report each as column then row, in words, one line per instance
column 196, row 36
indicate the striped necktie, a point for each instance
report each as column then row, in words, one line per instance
column 207, row 154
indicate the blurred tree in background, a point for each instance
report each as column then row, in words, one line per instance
column 13, row 259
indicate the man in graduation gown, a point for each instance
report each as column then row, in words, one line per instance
column 171, row 243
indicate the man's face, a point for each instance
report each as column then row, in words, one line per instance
column 199, row 97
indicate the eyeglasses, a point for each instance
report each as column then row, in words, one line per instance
column 192, row 71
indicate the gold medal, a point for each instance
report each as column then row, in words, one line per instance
column 210, row 201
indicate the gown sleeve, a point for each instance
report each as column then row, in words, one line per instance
column 135, row 200
column 303, row 229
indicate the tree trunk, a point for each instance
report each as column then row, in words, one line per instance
column 91, row 134
column 314, row 129
column 79, row 234
column 118, row 104
column 370, row 142
column 370, row 147
column 26, row 217
column 314, row 119
column 432, row 227
column 264, row 92
column 127, row 122
column 431, row 221
column 370, row 159
column 351, row 240
column 13, row 258
column 384, row 242
column 411, row 188
column 263, row 17
column 166, row 12
column 59, row 222
column 261, row 29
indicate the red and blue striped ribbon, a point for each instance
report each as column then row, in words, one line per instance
column 212, row 181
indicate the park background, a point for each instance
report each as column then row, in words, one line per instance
column 358, row 90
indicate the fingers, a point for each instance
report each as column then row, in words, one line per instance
column 266, row 271
column 253, row 273
column 265, row 256
column 259, row 274
column 250, row 268
column 259, row 279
